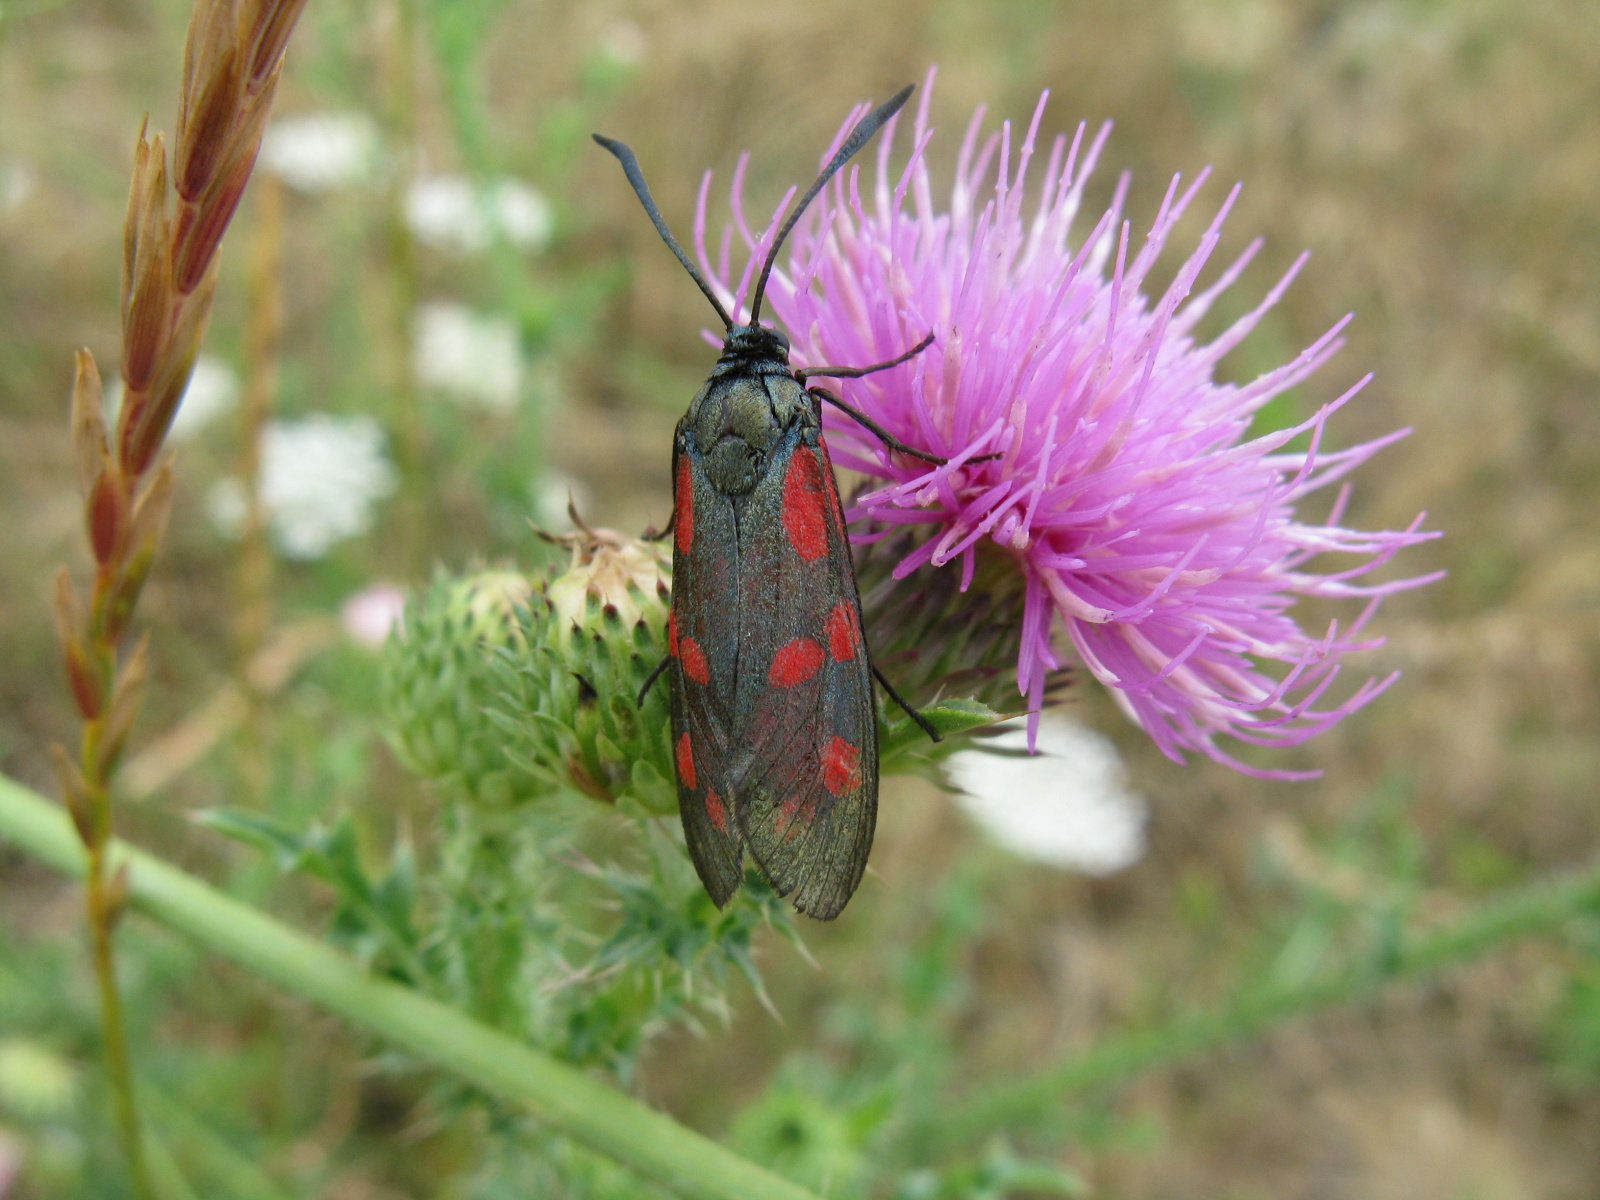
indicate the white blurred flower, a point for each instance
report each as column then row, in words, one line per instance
column 17, row 184
column 1068, row 806
column 623, row 43
column 320, row 152
column 321, row 479
column 472, row 357
column 450, row 212
column 442, row 210
column 524, row 214
column 373, row 613
column 213, row 390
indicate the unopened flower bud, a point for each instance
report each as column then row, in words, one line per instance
column 438, row 679
column 607, row 569
column 570, row 704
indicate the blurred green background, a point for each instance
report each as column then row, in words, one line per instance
column 1440, row 162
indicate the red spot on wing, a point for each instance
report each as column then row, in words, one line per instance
column 683, row 506
column 717, row 811
column 686, row 763
column 805, row 503
column 795, row 663
column 694, row 661
column 672, row 633
column 841, row 767
column 843, row 634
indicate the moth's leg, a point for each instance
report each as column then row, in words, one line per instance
column 883, row 435
column 923, row 723
column 857, row 372
column 651, row 681
column 878, row 431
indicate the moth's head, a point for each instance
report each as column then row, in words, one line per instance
column 755, row 341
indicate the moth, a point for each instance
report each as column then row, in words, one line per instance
column 774, row 723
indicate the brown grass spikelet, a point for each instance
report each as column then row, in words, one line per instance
column 89, row 445
column 107, row 513
column 74, row 792
column 232, row 62
column 233, row 57
column 124, row 706
column 88, row 686
column 174, row 225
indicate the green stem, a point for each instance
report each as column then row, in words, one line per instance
column 1535, row 908
column 114, row 1029
column 568, row 1100
column 102, row 910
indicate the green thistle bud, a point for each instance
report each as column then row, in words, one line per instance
column 438, row 681
column 936, row 641
column 567, row 701
column 933, row 638
column 510, row 687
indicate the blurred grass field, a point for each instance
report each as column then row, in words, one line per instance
column 1438, row 159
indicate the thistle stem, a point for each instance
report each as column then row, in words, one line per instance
column 567, row 1099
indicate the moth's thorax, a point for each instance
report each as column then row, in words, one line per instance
column 745, row 408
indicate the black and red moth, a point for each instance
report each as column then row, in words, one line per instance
column 774, row 725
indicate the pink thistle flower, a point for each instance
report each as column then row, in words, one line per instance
column 1144, row 520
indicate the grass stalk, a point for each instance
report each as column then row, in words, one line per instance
column 174, row 225
column 1535, row 908
column 102, row 913
column 569, row 1100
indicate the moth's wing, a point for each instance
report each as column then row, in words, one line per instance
column 806, row 737
column 703, row 642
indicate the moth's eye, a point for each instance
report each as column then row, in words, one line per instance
column 782, row 339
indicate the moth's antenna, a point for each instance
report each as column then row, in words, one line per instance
column 863, row 132
column 630, row 166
